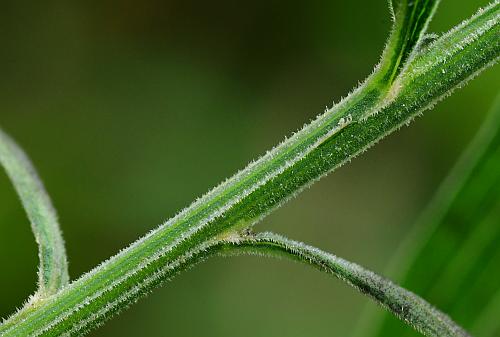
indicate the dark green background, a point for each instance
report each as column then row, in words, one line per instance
column 131, row 109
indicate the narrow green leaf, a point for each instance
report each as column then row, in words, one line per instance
column 486, row 323
column 402, row 303
column 452, row 257
column 411, row 18
column 53, row 268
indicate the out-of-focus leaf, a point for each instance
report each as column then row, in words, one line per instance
column 452, row 259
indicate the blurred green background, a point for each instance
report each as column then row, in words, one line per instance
column 131, row 109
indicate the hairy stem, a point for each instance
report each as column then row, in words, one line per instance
column 467, row 204
column 404, row 304
column 380, row 106
column 53, row 268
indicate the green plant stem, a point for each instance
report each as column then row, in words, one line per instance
column 461, row 222
column 380, row 106
column 53, row 267
column 399, row 301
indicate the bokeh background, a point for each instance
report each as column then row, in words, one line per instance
column 131, row 109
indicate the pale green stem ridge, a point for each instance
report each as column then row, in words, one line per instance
column 371, row 112
column 404, row 304
column 53, row 268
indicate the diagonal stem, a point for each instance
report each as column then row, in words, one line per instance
column 370, row 113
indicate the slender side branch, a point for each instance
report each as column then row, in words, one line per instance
column 411, row 19
column 53, row 268
column 404, row 304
